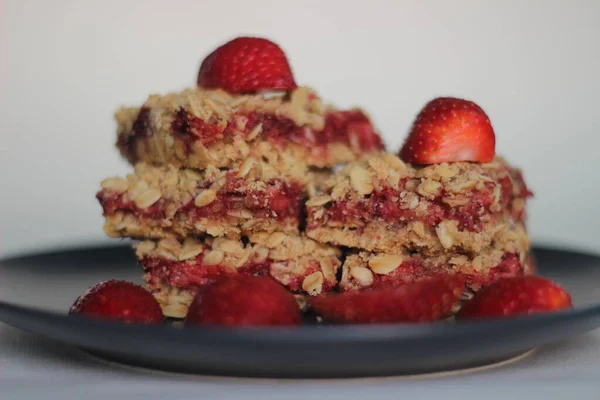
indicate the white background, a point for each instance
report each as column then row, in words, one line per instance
column 65, row 67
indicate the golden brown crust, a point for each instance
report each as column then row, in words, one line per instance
column 275, row 246
column 126, row 225
column 381, row 237
column 215, row 105
column 174, row 301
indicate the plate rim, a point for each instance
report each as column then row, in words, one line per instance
column 305, row 333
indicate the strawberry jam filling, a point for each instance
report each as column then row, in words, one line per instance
column 278, row 199
column 192, row 274
column 387, row 205
column 113, row 203
column 509, row 267
column 349, row 127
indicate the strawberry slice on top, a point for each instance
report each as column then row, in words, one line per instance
column 449, row 130
column 247, row 64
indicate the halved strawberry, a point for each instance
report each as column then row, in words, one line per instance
column 447, row 130
column 244, row 300
column 121, row 301
column 425, row 300
column 247, row 64
column 514, row 296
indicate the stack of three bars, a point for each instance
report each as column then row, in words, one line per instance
column 219, row 187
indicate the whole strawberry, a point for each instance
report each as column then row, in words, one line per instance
column 247, row 64
column 448, row 130
column 243, row 300
column 516, row 296
column 429, row 299
column 121, row 301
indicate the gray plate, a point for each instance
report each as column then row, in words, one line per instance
column 37, row 290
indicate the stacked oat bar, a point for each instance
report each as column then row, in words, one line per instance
column 405, row 222
column 219, row 186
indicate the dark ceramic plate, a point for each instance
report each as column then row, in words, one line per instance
column 37, row 290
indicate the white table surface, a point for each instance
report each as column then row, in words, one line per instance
column 32, row 367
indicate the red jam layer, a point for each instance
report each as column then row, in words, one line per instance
column 386, row 205
column 415, row 269
column 113, row 203
column 192, row 274
column 279, row 200
column 350, row 127
column 509, row 267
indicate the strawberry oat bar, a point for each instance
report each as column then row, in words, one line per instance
column 175, row 270
column 382, row 204
column 163, row 201
column 202, row 127
column 506, row 257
